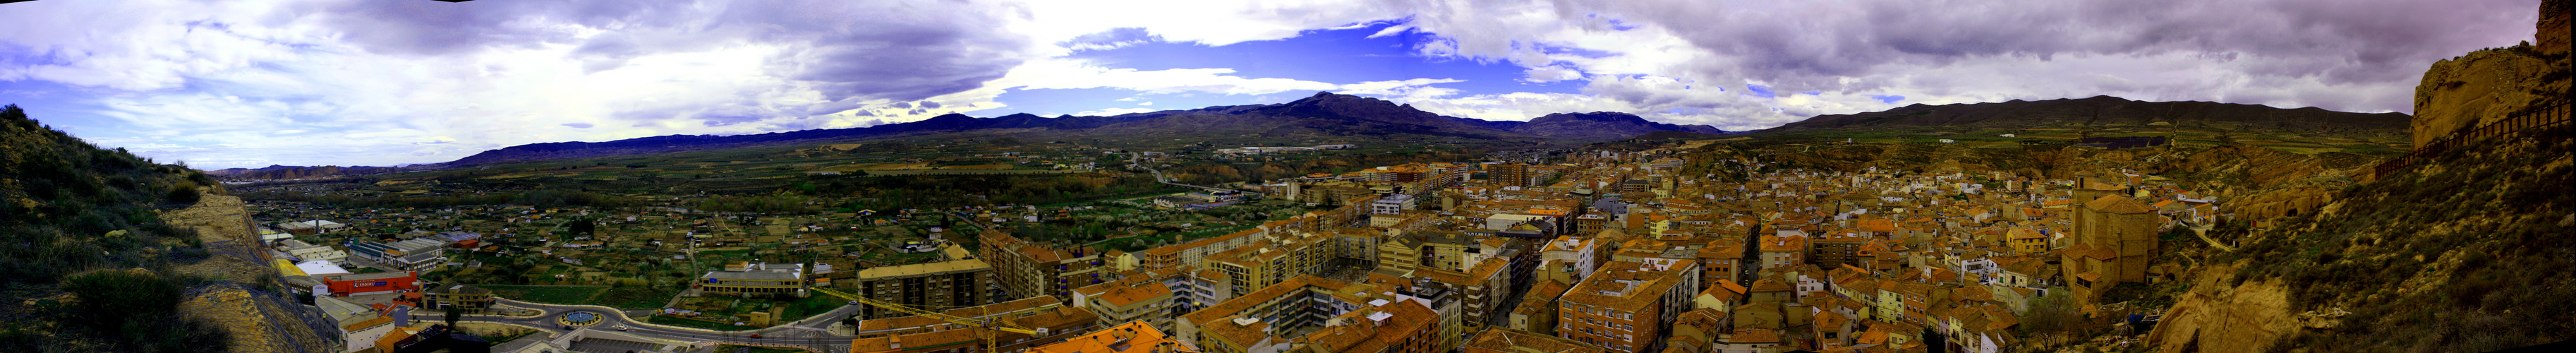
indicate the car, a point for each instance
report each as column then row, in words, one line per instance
column 755, row 335
column 621, row 327
column 854, row 302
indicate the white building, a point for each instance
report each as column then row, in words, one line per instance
column 310, row 252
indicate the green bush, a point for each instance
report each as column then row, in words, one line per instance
column 184, row 193
column 111, row 294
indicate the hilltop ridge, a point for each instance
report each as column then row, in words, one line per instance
column 2105, row 110
column 1324, row 115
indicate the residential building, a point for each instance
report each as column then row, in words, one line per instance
column 1835, row 248
column 1053, row 324
column 958, row 282
column 1779, row 252
column 1575, row 256
column 1392, row 204
column 1129, row 337
column 1342, row 316
column 460, row 298
column 1623, row 308
column 1539, row 306
column 1517, row 341
column 1029, row 269
column 1144, row 300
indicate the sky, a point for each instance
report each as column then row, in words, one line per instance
column 221, row 84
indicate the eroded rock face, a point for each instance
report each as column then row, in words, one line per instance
column 2476, row 89
column 2485, row 85
column 2283, row 202
column 258, row 321
column 2553, row 26
column 2215, row 317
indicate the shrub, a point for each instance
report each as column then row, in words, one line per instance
column 184, row 193
column 111, row 295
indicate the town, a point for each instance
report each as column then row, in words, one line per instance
column 1599, row 251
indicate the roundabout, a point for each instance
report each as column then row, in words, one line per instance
column 578, row 318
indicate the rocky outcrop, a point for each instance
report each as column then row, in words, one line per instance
column 2281, row 203
column 259, row 321
column 2476, row 89
column 2487, row 85
column 215, row 218
column 2553, row 26
column 2216, row 317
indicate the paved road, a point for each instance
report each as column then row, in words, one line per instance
column 810, row 333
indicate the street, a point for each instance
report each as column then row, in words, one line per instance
column 809, row 333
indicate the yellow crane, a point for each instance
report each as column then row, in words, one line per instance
column 988, row 323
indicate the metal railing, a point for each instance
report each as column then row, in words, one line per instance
column 2552, row 115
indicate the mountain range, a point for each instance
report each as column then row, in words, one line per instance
column 2106, row 110
column 1323, row 115
column 1331, row 116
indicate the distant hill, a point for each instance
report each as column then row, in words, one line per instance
column 274, row 172
column 2105, row 110
column 1324, row 115
column 1602, row 126
column 674, row 143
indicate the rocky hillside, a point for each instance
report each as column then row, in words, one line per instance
column 2465, row 252
column 67, row 206
column 2104, row 110
column 2487, row 85
column 2468, row 253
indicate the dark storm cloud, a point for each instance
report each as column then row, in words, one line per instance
column 901, row 52
column 436, row 28
column 865, row 49
column 1811, row 45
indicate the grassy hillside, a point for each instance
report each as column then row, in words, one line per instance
column 60, row 196
column 2469, row 253
column 69, row 206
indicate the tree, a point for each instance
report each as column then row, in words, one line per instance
column 452, row 315
column 584, row 226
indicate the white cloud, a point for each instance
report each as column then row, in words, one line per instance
column 2341, row 55
column 391, row 79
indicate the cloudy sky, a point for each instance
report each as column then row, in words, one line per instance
column 382, row 82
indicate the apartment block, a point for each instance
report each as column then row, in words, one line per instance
column 1624, row 308
column 1028, row 269
column 953, row 283
column 1144, row 300
column 1340, row 316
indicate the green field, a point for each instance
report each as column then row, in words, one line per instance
column 548, row 294
column 637, row 297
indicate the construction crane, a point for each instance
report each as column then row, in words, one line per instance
column 989, row 324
